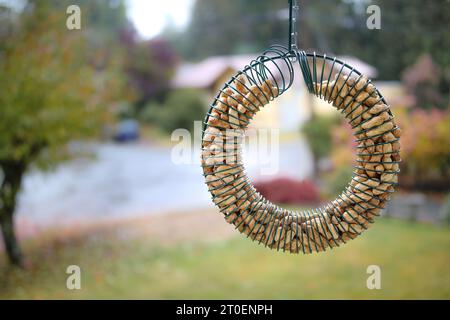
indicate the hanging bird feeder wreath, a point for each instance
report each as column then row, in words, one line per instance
column 345, row 88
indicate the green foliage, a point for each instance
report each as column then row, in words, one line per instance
column 50, row 94
column 229, row 27
column 37, row 98
column 53, row 91
column 318, row 133
column 179, row 110
column 340, row 27
column 338, row 180
column 150, row 112
column 102, row 20
column 125, row 110
column 422, row 28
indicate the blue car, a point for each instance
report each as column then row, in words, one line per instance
column 127, row 130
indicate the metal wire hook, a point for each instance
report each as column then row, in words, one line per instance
column 294, row 9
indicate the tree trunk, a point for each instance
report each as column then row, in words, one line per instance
column 10, row 240
column 12, row 180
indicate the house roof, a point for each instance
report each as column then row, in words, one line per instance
column 361, row 66
column 205, row 73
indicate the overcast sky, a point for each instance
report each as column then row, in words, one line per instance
column 150, row 16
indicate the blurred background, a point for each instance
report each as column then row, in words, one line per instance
column 86, row 169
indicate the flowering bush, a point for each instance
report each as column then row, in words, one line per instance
column 426, row 148
column 289, row 191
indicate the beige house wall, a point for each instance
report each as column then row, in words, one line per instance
column 289, row 111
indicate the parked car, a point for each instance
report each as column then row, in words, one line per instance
column 126, row 131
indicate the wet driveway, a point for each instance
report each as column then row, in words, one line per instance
column 131, row 180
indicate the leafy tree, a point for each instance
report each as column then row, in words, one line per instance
column 150, row 66
column 229, row 27
column 318, row 133
column 334, row 27
column 49, row 96
column 180, row 110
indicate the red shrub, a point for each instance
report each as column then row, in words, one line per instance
column 289, row 191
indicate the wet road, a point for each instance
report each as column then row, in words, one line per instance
column 135, row 179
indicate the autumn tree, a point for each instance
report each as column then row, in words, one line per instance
column 49, row 96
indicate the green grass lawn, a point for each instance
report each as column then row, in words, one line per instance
column 414, row 260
